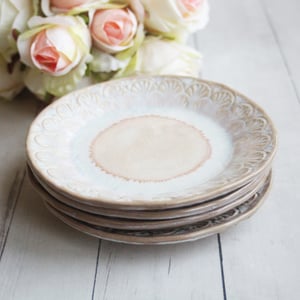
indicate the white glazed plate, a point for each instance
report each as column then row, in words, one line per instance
column 150, row 142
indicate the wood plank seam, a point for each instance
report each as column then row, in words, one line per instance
column 109, row 262
column 13, row 196
column 281, row 51
column 169, row 265
column 96, row 269
column 222, row 266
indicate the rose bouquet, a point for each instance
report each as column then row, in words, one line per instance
column 53, row 47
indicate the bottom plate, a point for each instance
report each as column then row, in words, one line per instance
column 176, row 235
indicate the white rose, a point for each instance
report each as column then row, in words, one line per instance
column 164, row 57
column 173, row 18
column 35, row 82
column 14, row 15
column 104, row 62
column 11, row 82
column 58, row 49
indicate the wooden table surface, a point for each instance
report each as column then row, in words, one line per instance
column 251, row 45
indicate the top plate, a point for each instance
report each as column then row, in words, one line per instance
column 150, row 142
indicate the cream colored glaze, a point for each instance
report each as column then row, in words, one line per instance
column 150, row 148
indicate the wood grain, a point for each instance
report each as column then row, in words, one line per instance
column 183, row 271
column 261, row 256
column 284, row 23
column 43, row 258
column 15, row 118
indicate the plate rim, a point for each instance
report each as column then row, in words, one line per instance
column 163, row 202
column 117, row 213
column 168, row 239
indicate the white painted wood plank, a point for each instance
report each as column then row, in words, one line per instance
column 261, row 256
column 183, row 271
column 43, row 258
column 285, row 24
column 15, row 117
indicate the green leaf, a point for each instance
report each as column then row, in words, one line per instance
column 129, row 70
column 85, row 17
column 103, row 76
column 61, row 85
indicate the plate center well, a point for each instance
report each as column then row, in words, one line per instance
column 150, row 149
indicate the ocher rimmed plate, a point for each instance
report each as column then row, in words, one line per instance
column 174, row 235
column 150, row 142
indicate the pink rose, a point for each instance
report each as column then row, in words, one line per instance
column 113, row 30
column 56, row 49
column 67, row 4
column 188, row 7
column 53, row 7
column 48, row 57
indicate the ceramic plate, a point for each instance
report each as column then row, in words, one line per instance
column 175, row 235
column 150, row 142
column 128, row 224
column 188, row 211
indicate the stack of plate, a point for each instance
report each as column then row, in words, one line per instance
column 151, row 160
